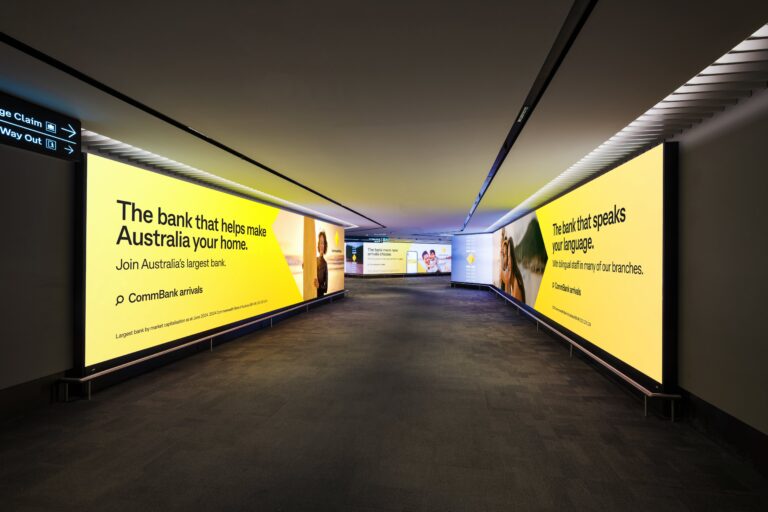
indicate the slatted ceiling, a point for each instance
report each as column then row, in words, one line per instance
column 751, row 45
column 677, row 116
column 99, row 144
column 730, row 69
column 646, row 126
column 752, row 76
column 739, row 57
column 639, row 137
column 730, row 79
column 642, row 125
column 716, row 87
column 695, row 110
column 724, row 94
column 634, row 138
column 696, row 102
column 645, row 131
column 622, row 143
column 692, row 112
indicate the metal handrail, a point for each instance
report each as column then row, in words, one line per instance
column 88, row 378
column 647, row 393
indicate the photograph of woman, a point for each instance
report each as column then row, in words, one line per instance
column 503, row 262
column 510, row 277
column 321, row 281
column 516, row 288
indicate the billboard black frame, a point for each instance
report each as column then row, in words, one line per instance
column 669, row 277
column 80, row 369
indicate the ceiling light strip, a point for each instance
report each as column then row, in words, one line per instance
column 95, row 143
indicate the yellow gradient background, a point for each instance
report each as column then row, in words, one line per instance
column 625, row 310
column 260, row 273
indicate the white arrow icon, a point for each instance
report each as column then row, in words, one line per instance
column 71, row 131
column 70, row 150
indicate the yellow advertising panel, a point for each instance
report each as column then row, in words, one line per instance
column 167, row 259
column 592, row 261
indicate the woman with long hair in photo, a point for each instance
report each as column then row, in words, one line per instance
column 510, row 277
column 321, row 281
column 516, row 288
column 504, row 273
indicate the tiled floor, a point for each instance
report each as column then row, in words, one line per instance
column 407, row 395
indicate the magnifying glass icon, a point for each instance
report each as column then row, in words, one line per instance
column 120, row 300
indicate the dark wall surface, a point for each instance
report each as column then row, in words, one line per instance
column 36, row 266
column 723, row 347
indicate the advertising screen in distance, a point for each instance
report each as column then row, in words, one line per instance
column 473, row 260
column 354, row 255
column 167, row 259
column 406, row 258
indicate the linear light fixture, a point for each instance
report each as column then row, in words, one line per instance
column 574, row 21
column 724, row 83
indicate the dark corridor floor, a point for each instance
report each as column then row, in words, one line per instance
column 407, row 395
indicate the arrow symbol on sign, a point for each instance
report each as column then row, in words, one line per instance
column 70, row 150
column 71, row 131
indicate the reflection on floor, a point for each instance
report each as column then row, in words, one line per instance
column 407, row 395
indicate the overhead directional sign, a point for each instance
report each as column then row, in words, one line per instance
column 28, row 126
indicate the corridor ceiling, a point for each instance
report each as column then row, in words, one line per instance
column 396, row 110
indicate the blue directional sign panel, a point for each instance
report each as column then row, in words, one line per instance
column 28, row 126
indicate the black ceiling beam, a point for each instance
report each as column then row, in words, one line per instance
column 573, row 24
column 43, row 57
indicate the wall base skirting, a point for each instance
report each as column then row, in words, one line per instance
column 726, row 430
column 28, row 396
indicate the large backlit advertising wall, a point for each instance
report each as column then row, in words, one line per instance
column 592, row 261
column 397, row 258
column 167, row 259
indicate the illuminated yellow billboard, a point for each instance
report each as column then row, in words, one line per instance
column 592, row 261
column 166, row 259
column 388, row 258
